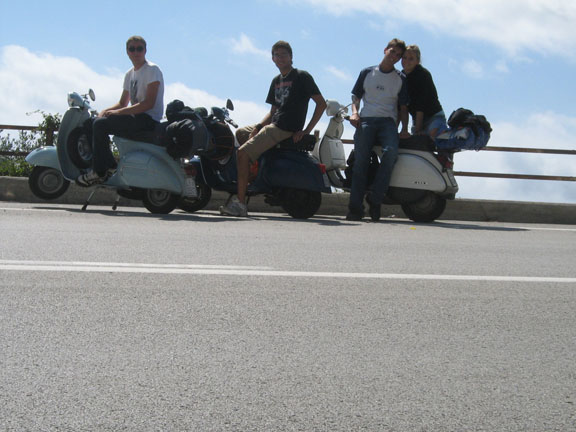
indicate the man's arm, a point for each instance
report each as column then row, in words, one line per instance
column 265, row 121
column 355, row 116
column 318, row 111
column 123, row 102
column 404, row 121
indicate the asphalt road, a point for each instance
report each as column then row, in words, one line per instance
column 129, row 321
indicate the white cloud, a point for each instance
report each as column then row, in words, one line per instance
column 34, row 81
column 39, row 81
column 339, row 73
column 544, row 26
column 473, row 69
column 245, row 45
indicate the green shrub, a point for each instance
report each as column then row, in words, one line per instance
column 16, row 166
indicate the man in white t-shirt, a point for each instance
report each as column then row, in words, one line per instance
column 383, row 93
column 140, row 108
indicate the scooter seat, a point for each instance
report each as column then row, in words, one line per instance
column 417, row 142
column 307, row 143
column 152, row 137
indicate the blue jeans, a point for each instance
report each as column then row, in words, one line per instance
column 373, row 131
column 102, row 157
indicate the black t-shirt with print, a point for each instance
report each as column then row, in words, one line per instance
column 290, row 95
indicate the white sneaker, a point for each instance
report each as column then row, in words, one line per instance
column 234, row 208
column 90, row 179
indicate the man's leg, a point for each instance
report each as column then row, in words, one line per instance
column 103, row 127
column 387, row 136
column 363, row 142
column 267, row 138
column 243, row 162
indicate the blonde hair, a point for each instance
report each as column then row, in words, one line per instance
column 415, row 49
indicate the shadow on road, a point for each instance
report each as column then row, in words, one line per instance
column 213, row 216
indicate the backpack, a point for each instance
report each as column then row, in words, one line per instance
column 186, row 133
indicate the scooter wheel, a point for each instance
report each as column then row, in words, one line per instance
column 159, row 201
column 299, row 203
column 427, row 209
column 79, row 148
column 192, row 205
column 47, row 183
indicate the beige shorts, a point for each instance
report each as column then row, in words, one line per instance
column 267, row 138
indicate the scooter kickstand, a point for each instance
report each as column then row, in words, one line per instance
column 88, row 200
column 116, row 202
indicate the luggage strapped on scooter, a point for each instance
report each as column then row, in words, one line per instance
column 195, row 132
column 467, row 131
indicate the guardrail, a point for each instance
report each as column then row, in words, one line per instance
column 514, row 176
column 49, row 137
column 50, row 141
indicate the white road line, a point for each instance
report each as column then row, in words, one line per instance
column 61, row 266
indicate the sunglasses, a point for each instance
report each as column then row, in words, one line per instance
column 138, row 48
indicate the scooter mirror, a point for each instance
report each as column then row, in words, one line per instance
column 229, row 105
column 332, row 107
column 92, row 95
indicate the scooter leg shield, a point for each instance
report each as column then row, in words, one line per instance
column 72, row 119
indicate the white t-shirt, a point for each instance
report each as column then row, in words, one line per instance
column 136, row 83
column 381, row 92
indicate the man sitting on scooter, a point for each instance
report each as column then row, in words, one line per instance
column 382, row 90
column 289, row 95
column 144, row 91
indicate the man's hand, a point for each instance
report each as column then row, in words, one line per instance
column 108, row 113
column 404, row 134
column 297, row 136
column 254, row 132
column 354, row 119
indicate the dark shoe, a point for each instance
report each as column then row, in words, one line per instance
column 373, row 210
column 354, row 216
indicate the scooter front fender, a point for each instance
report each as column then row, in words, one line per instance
column 44, row 156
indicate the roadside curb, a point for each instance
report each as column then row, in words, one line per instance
column 16, row 189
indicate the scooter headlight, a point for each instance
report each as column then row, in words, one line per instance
column 74, row 100
column 332, row 107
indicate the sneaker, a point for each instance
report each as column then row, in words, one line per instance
column 110, row 172
column 91, row 178
column 373, row 209
column 234, row 208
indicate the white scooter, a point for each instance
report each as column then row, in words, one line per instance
column 421, row 181
column 145, row 171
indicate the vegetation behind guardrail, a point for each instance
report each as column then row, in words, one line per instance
column 13, row 150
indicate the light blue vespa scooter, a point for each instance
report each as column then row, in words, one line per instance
column 145, row 171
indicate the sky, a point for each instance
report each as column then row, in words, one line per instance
column 513, row 61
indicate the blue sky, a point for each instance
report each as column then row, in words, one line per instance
column 512, row 61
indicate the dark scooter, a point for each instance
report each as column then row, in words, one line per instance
column 287, row 175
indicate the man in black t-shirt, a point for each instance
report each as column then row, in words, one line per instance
column 288, row 96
